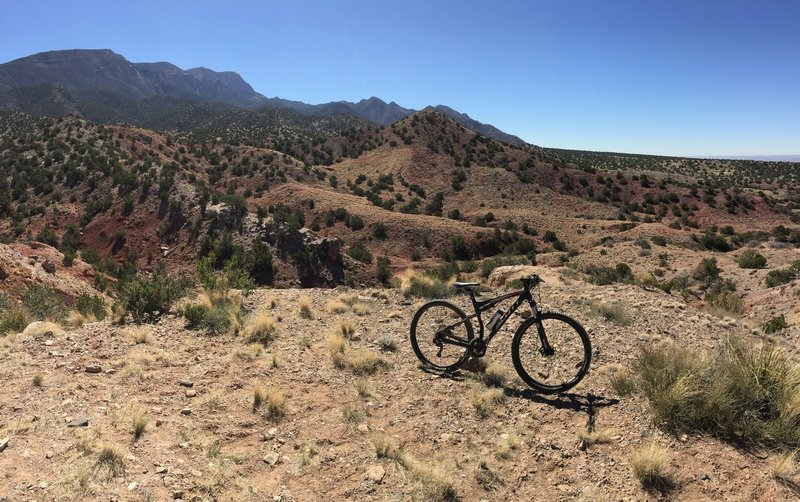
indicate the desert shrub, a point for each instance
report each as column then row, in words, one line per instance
column 782, row 276
column 91, row 306
column 90, row 255
column 217, row 321
column 744, row 392
column 379, row 230
column 460, row 248
column 715, row 242
column 143, row 297
column 601, row 275
column 726, row 303
column 355, row 222
column 44, row 304
column 13, row 319
column 46, row 236
column 707, row 271
column 383, row 272
column 774, row 325
column 751, row 258
column 659, row 240
column 444, row 271
column 358, row 252
column 69, row 257
column 194, row 314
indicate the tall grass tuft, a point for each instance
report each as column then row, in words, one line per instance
column 745, row 392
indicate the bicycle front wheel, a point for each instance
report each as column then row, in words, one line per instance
column 440, row 335
column 551, row 353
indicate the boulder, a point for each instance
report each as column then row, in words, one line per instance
column 503, row 275
column 49, row 266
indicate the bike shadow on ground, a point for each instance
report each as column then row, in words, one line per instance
column 587, row 403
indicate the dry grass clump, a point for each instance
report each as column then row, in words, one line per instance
column 276, row 402
column 337, row 345
column 364, row 390
column 140, row 334
column 360, row 362
column 137, row 365
column 649, row 464
column 249, row 352
column 600, row 436
column 217, row 311
column 747, row 391
column 140, row 421
column 353, row 414
column 38, row 379
column 785, row 469
column 387, row 343
column 484, row 401
column 431, row 481
column 615, row 312
column 337, row 307
column 260, row 328
column 75, row 319
column 304, row 307
column 346, row 328
column 506, row 446
column 397, row 314
column 412, row 283
column 259, row 395
column 273, row 399
column 726, row 303
column 361, row 309
column 494, row 376
column 364, row 362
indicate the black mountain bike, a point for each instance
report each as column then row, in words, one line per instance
column 551, row 351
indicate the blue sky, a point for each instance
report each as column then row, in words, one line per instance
column 664, row 77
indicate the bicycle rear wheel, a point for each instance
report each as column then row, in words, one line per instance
column 559, row 369
column 440, row 334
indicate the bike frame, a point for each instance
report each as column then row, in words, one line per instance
column 523, row 295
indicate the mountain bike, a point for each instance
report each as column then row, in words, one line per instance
column 551, row 351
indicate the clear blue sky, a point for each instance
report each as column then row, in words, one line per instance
column 666, row 77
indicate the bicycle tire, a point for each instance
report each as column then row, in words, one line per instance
column 565, row 367
column 440, row 311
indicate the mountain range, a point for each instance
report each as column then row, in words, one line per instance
column 104, row 87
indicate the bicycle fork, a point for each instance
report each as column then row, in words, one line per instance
column 546, row 349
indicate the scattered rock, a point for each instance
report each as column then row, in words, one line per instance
column 48, row 455
column 272, row 458
column 704, row 477
column 94, row 368
column 4, row 443
column 133, row 486
column 78, row 422
column 177, row 494
column 49, row 266
column 187, row 383
column 376, row 473
column 186, row 412
column 190, row 393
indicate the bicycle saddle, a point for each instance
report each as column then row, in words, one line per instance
column 466, row 284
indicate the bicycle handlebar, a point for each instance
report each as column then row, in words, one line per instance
column 532, row 281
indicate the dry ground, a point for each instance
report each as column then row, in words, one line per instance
column 206, row 442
